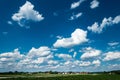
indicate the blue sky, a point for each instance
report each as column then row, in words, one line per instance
column 74, row 35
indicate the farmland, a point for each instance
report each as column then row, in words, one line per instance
column 60, row 77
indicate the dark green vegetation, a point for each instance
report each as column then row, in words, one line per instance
column 111, row 75
column 70, row 77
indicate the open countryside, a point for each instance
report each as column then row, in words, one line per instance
column 112, row 75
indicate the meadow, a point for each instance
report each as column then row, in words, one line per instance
column 61, row 77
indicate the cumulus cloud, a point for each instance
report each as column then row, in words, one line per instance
column 40, row 52
column 79, row 36
column 96, row 62
column 64, row 56
column 9, row 60
column 94, row 4
column 113, row 43
column 41, row 58
column 76, row 4
column 27, row 13
column 111, row 56
column 75, row 16
column 90, row 53
column 84, row 63
column 67, row 63
column 36, row 58
column 77, row 63
column 116, row 20
column 114, row 66
column 11, row 56
column 98, row 28
column 52, row 62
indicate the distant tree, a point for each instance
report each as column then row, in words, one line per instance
column 16, row 72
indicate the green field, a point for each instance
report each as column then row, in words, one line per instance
column 60, row 77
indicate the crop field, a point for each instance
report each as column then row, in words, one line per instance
column 61, row 77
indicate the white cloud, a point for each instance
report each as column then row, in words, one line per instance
column 74, row 55
column 6, row 59
column 64, row 56
column 77, row 63
column 39, row 60
column 94, row 28
column 67, row 63
column 50, row 56
column 11, row 56
column 27, row 13
column 75, row 16
column 84, row 63
column 113, row 43
column 114, row 66
column 79, row 36
column 59, row 37
column 51, row 62
column 9, row 60
column 44, row 59
column 94, row 4
column 90, row 53
column 40, row 52
column 71, row 50
column 111, row 56
column 96, row 62
column 116, row 20
column 9, row 22
column 76, row 4
column 37, row 57
column 98, row 28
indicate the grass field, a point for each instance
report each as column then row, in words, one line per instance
column 60, row 77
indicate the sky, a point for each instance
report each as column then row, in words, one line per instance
column 59, row 35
